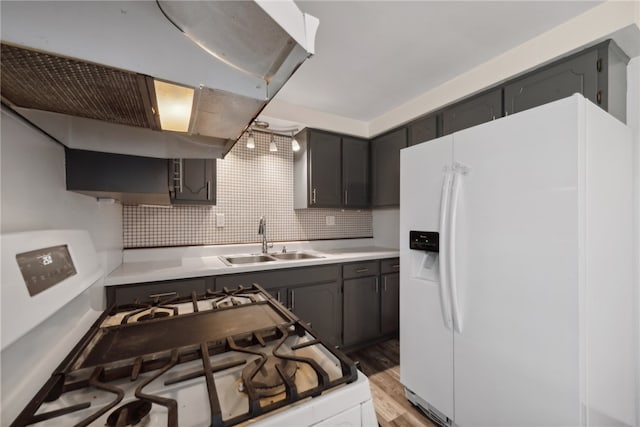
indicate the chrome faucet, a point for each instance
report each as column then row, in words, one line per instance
column 262, row 229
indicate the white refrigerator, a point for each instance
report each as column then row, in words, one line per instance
column 516, row 308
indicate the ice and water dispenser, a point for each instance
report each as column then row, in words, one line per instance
column 423, row 259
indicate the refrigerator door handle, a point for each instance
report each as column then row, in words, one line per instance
column 458, row 172
column 445, row 299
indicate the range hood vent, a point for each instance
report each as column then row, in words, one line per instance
column 99, row 94
column 41, row 81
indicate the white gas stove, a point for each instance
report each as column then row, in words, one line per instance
column 227, row 358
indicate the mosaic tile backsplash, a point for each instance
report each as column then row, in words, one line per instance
column 250, row 184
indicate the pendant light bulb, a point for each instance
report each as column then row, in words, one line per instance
column 272, row 144
column 294, row 143
column 251, row 143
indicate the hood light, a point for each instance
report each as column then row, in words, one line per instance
column 272, row 144
column 251, row 143
column 174, row 105
column 294, row 143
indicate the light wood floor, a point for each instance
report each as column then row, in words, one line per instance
column 381, row 364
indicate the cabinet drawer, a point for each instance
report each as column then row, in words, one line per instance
column 391, row 265
column 360, row 269
column 281, row 278
column 145, row 292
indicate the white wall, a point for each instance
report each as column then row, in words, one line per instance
column 34, row 195
column 386, row 227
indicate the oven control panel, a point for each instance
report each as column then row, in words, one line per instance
column 424, row 241
column 44, row 268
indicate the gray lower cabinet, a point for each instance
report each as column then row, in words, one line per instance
column 361, row 310
column 598, row 74
column 422, row 130
column 320, row 306
column 361, row 293
column 165, row 290
column 385, row 167
column 355, row 173
column 390, row 296
column 473, row 111
column 312, row 293
column 193, row 181
column 346, row 304
column 390, row 304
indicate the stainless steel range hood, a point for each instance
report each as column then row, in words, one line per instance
column 84, row 71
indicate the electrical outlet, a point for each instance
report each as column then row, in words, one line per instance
column 219, row 220
column 331, row 220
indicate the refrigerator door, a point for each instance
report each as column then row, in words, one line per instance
column 426, row 334
column 516, row 355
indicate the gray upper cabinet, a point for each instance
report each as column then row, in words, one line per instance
column 331, row 171
column 355, row 172
column 422, row 130
column 473, row 111
column 385, row 167
column 317, row 172
column 193, row 181
column 129, row 179
column 599, row 74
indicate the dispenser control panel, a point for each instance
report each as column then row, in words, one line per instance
column 424, row 241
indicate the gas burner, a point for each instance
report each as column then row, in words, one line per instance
column 148, row 313
column 153, row 315
column 267, row 381
column 220, row 358
column 232, row 301
column 130, row 414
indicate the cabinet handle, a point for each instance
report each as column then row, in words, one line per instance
column 384, row 285
column 346, row 197
column 293, row 300
column 395, row 266
column 313, row 196
column 180, row 175
column 166, row 294
column 208, row 190
column 377, row 287
column 362, row 270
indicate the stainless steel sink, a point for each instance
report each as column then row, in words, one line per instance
column 295, row 255
column 246, row 259
column 258, row 258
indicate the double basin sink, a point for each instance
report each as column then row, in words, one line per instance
column 252, row 259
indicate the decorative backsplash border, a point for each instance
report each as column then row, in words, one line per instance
column 250, row 184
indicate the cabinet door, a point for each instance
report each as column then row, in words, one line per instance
column 194, row 181
column 325, row 189
column 423, row 129
column 471, row 112
column 280, row 294
column 320, row 306
column 361, row 310
column 390, row 303
column 355, row 172
column 578, row 74
column 385, row 168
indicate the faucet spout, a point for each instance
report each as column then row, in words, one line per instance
column 262, row 229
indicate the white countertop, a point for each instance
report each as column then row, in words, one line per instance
column 149, row 265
